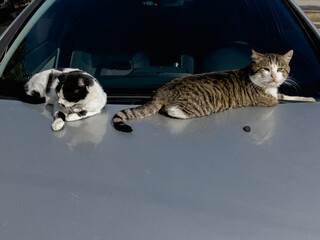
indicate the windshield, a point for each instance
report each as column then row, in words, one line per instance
column 136, row 46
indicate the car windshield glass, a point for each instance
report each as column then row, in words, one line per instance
column 136, row 46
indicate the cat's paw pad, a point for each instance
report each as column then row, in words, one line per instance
column 57, row 124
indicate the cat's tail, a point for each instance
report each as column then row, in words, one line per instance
column 146, row 110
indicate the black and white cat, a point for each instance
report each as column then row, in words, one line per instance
column 42, row 85
column 74, row 94
column 79, row 96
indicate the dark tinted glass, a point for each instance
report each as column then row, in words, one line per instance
column 134, row 45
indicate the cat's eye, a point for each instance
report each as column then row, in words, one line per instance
column 266, row 69
column 283, row 70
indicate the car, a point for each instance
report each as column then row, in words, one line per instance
column 246, row 173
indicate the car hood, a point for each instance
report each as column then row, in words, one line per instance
column 203, row 178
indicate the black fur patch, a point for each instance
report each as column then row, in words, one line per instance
column 49, row 83
column 69, row 83
column 83, row 113
column 59, row 86
column 35, row 94
column 61, row 115
column 30, row 99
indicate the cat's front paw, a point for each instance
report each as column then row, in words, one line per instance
column 309, row 99
column 57, row 124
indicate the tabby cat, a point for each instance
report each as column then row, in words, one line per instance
column 202, row 94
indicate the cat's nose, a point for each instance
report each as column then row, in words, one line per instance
column 274, row 76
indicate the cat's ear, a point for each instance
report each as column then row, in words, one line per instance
column 62, row 78
column 255, row 55
column 288, row 56
column 81, row 82
column 86, row 82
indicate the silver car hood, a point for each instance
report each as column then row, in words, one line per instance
column 203, row 178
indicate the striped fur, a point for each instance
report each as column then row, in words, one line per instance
column 202, row 94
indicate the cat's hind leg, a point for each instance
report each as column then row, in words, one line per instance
column 176, row 112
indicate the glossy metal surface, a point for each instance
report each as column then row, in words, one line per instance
column 203, row 178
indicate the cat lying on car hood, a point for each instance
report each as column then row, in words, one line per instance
column 75, row 94
column 79, row 95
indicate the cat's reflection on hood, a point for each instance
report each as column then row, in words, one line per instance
column 261, row 121
column 81, row 136
column 85, row 140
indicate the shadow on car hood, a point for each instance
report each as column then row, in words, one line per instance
column 202, row 178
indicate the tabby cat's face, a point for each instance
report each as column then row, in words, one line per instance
column 269, row 70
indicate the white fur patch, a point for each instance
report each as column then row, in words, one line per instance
column 272, row 91
column 38, row 83
column 72, row 117
column 176, row 112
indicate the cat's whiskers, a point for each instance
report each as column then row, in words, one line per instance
column 291, row 82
